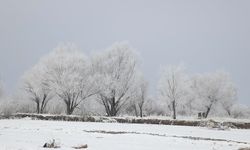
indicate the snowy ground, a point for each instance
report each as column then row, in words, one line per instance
column 26, row 134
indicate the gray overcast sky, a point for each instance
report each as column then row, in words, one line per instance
column 206, row 35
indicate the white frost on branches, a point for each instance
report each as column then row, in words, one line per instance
column 69, row 76
column 173, row 87
column 213, row 89
column 116, row 70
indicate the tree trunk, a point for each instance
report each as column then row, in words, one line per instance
column 135, row 110
column 208, row 110
column 140, row 109
column 43, row 104
column 141, row 112
column 38, row 107
column 70, row 109
column 113, row 107
column 228, row 112
column 174, row 109
column 110, row 106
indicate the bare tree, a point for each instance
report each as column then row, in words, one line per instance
column 115, row 71
column 173, row 87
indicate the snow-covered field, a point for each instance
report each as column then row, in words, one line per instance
column 25, row 134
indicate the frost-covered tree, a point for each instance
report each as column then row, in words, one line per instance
column 228, row 105
column 36, row 87
column 154, row 107
column 116, row 70
column 7, row 105
column 140, row 95
column 69, row 76
column 173, row 87
column 215, row 88
column 240, row 111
